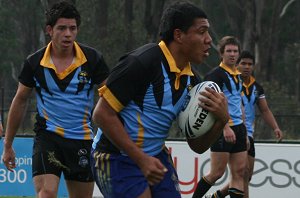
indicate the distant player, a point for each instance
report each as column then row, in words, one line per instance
column 253, row 95
column 231, row 147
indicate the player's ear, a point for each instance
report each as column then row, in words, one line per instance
column 49, row 30
column 177, row 35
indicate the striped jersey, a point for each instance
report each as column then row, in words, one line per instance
column 252, row 93
column 231, row 85
column 148, row 91
column 65, row 100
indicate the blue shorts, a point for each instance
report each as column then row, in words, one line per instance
column 117, row 176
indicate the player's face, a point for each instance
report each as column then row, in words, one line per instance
column 196, row 42
column 230, row 55
column 63, row 33
column 245, row 66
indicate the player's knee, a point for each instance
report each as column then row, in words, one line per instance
column 47, row 193
column 239, row 173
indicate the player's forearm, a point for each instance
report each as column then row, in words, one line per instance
column 14, row 120
column 107, row 119
column 270, row 119
column 202, row 143
column 215, row 133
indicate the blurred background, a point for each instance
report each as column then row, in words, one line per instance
column 269, row 29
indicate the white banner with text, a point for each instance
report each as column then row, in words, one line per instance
column 276, row 172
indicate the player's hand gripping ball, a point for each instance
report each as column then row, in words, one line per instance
column 193, row 120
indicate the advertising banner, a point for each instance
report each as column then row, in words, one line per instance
column 19, row 182
column 276, row 172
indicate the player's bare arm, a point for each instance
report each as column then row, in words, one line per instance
column 106, row 117
column 269, row 118
column 15, row 117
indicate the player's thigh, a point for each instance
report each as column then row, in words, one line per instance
column 46, row 183
column 238, row 162
column 80, row 189
column 218, row 162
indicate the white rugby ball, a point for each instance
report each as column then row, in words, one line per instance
column 193, row 120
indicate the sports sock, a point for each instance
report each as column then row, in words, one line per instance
column 235, row 193
column 202, row 187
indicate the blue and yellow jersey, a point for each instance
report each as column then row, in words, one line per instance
column 231, row 85
column 148, row 91
column 252, row 93
column 65, row 100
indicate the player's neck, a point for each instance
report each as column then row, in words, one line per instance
column 246, row 79
column 62, row 59
column 179, row 58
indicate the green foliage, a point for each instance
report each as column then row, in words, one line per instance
column 7, row 37
column 22, row 23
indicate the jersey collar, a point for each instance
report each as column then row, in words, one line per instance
column 79, row 60
column 231, row 71
column 252, row 80
column 172, row 64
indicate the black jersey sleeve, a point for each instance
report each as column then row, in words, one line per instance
column 260, row 89
column 126, row 78
column 100, row 71
column 27, row 74
column 215, row 75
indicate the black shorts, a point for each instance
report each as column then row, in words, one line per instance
column 251, row 150
column 241, row 144
column 53, row 154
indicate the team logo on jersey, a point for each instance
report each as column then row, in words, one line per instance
column 83, row 77
column 189, row 87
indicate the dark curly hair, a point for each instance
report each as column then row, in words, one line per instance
column 63, row 9
column 179, row 15
column 246, row 54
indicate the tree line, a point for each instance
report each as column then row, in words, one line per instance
column 269, row 29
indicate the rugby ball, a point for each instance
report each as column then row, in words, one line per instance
column 193, row 120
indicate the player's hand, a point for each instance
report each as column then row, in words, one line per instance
column 216, row 103
column 153, row 170
column 9, row 158
column 229, row 135
column 278, row 134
